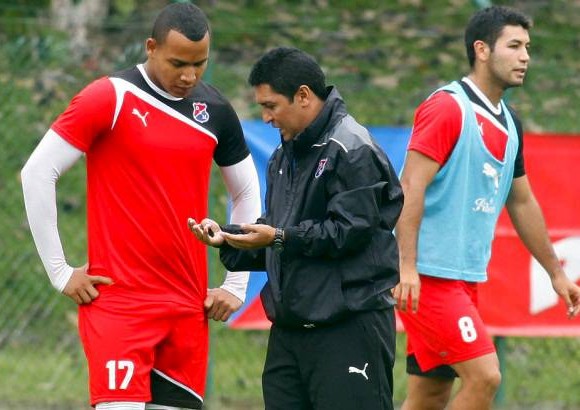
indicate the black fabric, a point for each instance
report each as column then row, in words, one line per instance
column 165, row 393
column 444, row 371
column 345, row 366
column 222, row 120
column 336, row 195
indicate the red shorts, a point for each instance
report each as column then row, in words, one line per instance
column 123, row 346
column 447, row 328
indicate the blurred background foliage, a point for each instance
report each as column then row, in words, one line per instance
column 385, row 57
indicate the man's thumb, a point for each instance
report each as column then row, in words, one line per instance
column 208, row 302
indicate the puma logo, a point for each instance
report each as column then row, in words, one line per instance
column 143, row 118
column 363, row 372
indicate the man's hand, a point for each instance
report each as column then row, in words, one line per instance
column 208, row 231
column 81, row 286
column 256, row 236
column 569, row 292
column 408, row 286
column 220, row 304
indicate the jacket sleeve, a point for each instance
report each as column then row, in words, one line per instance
column 364, row 196
column 243, row 260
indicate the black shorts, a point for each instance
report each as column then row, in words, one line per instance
column 345, row 366
column 443, row 371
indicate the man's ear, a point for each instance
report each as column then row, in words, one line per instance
column 482, row 50
column 150, row 45
column 303, row 96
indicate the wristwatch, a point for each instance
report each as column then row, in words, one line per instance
column 278, row 243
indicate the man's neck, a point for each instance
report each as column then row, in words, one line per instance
column 489, row 89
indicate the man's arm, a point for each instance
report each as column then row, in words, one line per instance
column 418, row 172
column 51, row 158
column 528, row 220
column 241, row 181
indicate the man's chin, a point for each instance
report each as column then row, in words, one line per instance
column 181, row 92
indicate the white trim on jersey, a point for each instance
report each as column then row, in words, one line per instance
column 154, row 87
column 242, row 183
column 482, row 96
column 51, row 158
column 122, row 86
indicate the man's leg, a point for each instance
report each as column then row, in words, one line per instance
column 427, row 393
column 349, row 365
column 480, row 379
column 448, row 330
column 428, row 390
column 282, row 383
column 179, row 374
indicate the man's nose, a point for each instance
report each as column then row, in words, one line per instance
column 266, row 116
column 188, row 75
column 525, row 56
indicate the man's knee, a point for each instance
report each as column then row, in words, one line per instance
column 487, row 380
column 481, row 374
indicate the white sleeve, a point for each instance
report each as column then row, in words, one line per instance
column 242, row 183
column 50, row 159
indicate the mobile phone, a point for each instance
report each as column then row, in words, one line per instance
column 234, row 229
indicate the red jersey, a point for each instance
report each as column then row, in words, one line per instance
column 149, row 159
column 439, row 120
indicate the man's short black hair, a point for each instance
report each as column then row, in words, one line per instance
column 285, row 69
column 487, row 24
column 185, row 18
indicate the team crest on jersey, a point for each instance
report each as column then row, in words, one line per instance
column 200, row 113
column 320, row 168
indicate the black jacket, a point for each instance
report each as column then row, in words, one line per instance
column 336, row 195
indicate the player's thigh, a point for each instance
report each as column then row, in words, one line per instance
column 120, row 351
column 447, row 328
column 179, row 372
column 482, row 368
column 282, row 384
column 353, row 367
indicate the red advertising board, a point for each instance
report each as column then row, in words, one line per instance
column 518, row 298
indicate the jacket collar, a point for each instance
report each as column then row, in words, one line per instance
column 333, row 110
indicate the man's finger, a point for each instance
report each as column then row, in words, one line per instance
column 93, row 293
column 415, row 299
column 405, row 298
column 84, row 296
column 100, row 280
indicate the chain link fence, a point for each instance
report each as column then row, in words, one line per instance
column 41, row 360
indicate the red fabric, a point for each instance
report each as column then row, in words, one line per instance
column 147, row 171
column 174, row 344
column 447, row 328
column 253, row 317
column 438, row 124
